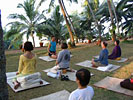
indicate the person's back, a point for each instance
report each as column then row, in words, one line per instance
column 82, row 94
column 27, row 65
column 64, row 58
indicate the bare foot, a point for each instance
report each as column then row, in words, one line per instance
column 94, row 66
column 17, row 85
column 41, row 82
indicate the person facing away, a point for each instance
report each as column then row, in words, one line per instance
column 63, row 59
column 27, row 63
column 116, row 53
column 52, row 48
column 103, row 57
column 84, row 92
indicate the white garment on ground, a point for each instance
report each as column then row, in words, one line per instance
column 26, row 84
column 54, row 69
column 29, row 77
column 82, row 94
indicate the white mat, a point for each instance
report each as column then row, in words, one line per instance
column 11, row 75
column 108, row 68
column 121, row 60
column 61, row 95
column 71, row 75
column 47, row 58
column 113, row 84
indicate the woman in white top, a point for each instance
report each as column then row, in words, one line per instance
column 84, row 92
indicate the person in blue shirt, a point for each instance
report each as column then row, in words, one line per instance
column 52, row 48
column 103, row 57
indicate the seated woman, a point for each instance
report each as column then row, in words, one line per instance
column 103, row 57
column 27, row 63
column 63, row 59
column 116, row 53
column 52, row 48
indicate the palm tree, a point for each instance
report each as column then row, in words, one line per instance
column 67, row 22
column 125, row 11
column 53, row 26
column 93, row 15
column 27, row 24
column 65, row 17
column 3, row 79
column 112, row 22
column 116, row 18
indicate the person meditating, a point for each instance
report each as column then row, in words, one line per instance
column 84, row 92
column 27, row 63
column 52, row 48
column 116, row 53
column 63, row 59
column 103, row 57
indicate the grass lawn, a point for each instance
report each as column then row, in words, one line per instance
column 81, row 53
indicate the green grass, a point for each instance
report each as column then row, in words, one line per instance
column 80, row 53
column 128, row 41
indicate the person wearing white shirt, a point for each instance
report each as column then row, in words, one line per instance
column 84, row 92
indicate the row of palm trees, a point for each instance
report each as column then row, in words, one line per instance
column 96, row 15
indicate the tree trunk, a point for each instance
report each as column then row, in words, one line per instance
column 32, row 35
column 112, row 22
column 67, row 23
column 113, row 6
column 96, row 22
column 3, row 79
column 69, row 18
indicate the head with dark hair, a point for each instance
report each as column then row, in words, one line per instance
column 53, row 38
column 104, row 44
column 83, row 76
column 28, row 46
column 64, row 46
column 117, row 42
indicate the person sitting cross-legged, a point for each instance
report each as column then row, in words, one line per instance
column 84, row 92
column 52, row 48
column 103, row 57
column 27, row 63
column 116, row 53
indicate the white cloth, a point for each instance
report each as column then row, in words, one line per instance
column 29, row 77
column 82, row 94
column 54, row 69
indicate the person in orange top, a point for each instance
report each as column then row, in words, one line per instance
column 27, row 63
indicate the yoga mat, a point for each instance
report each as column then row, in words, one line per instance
column 12, row 75
column 108, row 68
column 71, row 75
column 48, row 59
column 113, row 84
column 61, row 95
column 120, row 61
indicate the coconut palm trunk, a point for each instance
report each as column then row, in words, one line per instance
column 32, row 35
column 112, row 22
column 96, row 22
column 3, row 80
column 113, row 6
column 69, row 18
column 67, row 23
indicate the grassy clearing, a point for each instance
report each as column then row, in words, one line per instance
column 80, row 53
